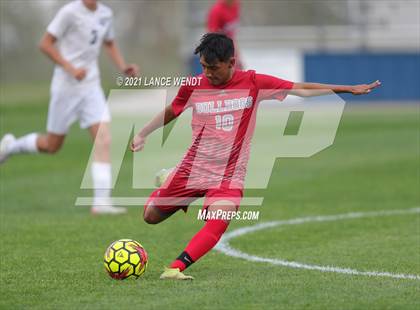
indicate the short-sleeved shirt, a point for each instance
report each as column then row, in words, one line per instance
column 223, row 122
column 80, row 33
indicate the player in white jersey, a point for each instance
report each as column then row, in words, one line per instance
column 73, row 42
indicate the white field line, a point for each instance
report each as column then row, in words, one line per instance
column 140, row 201
column 224, row 246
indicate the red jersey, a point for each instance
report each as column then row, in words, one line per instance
column 223, row 122
column 224, row 18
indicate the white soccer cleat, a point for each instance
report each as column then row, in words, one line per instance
column 98, row 210
column 162, row 176
column 104, row 206
column 5, row 143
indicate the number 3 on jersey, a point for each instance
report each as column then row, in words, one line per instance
column 94, row 38
column 224, row 122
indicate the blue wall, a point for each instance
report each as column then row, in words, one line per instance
column 399, row 73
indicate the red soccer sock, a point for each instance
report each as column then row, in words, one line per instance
column 201, row 243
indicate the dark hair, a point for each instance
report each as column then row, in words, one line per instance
column 215, row 47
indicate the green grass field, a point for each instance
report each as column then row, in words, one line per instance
column 52, row 251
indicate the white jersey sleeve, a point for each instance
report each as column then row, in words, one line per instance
column 110, row 33
column 60, row 23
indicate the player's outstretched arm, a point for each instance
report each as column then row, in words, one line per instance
column 116, row 56
column 139, row 140
column 317, row 89
column 47, row 45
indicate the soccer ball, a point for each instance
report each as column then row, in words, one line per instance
column 124, row 259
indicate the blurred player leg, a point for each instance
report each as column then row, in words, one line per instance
column 50, row 143
column 9, row 145
column 162, row 175
column 101, row 171
column 152, row 214
column 62, row 112
column 167, row 200
column 94, row 115
column 30, row 144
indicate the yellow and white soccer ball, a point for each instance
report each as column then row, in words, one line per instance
column 125, row 258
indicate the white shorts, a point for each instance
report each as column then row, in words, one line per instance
column 67, row 105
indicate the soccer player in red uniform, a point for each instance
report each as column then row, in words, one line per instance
column 223, row 121
column 224, row 16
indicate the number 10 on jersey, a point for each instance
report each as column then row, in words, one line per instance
column 224, row 122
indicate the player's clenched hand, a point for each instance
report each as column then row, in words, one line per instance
column 364, row 88
column 138, row 143
column 131, row 70
column 78, row 73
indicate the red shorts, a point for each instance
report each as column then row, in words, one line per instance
column 175, row 196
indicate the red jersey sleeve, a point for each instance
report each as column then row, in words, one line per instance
column 270, row 87
column 179, row 104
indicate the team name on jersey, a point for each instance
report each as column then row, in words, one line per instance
column 227, row 105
